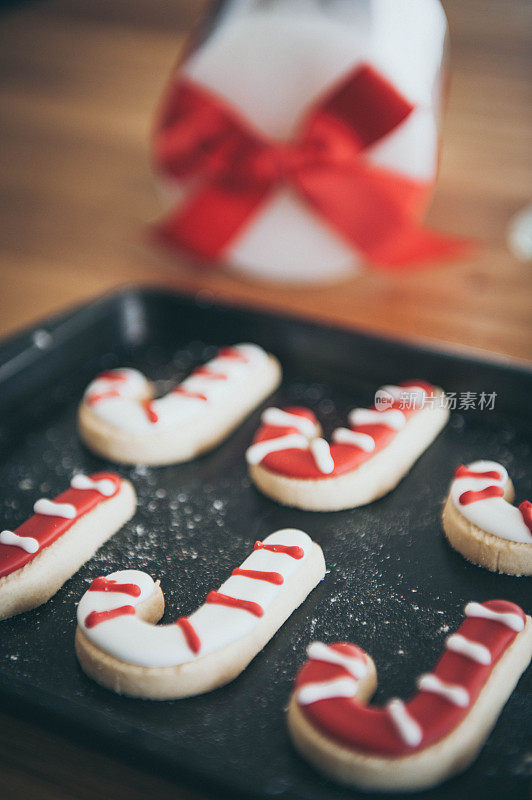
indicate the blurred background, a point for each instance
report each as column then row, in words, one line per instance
column 80, row 82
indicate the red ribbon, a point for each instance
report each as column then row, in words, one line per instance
column 235, row 168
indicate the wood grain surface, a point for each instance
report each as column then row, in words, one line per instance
column 80, row 80
column 79, row 83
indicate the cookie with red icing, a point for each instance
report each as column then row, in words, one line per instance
column 291, row 462
column 41, row 554
column 481, row 522
column 213, row 645
column 120, row 419
column 412, row 745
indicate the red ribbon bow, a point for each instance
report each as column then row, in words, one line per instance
column 235, row 168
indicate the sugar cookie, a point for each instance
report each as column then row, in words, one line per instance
column 290, row 462
column 119, row 419
column 480, row 521
column 119, row 646
column 436, row 734
column 42, row 553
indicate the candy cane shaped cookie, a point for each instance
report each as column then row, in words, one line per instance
column 290, row 462
column 42, row 553
column 119, row 646
column 480, row 521
column 119, row 418
column 409, row 746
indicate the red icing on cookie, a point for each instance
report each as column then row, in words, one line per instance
column 95, row 398
column 269, row 577
column 299, row 463
column 150, row 411
column 195, row 395
column 371, row 729
column 109, row 585
column 471, row 496
column 293, row 552
column 47, row 529
column 191, row 636
column 526, row 512
column 234, row 602
column 232, row 352
column 112, row 375
column 95, row 617
column 464, row 472
column 205, row 372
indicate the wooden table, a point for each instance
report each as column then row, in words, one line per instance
column 80, row 79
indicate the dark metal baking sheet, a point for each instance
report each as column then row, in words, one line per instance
column 393, row 584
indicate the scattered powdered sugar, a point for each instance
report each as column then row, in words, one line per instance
column 393, row 586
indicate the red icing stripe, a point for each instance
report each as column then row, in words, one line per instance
column 464, row 472
column 526, row 512
column 196, row 395
column 232, row 352
column 109, row 585
column 233, row 602
column 370, row 729
column 95, row 398
column 191, row 636
column 294, row 552
column 111, row 375
column 47, row 529
column 150, row 411
column 95, row 617
column 270, row 577
column 471, row 497
column 205, row 372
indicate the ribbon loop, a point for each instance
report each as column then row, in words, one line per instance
column 378, row 211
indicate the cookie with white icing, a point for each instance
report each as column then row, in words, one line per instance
column 413, row 745
column 41, row 554
column 118, row 644
column 290, row 461
column 120, row 419
column 480, row 521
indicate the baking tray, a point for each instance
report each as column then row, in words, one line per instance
column 393, row 585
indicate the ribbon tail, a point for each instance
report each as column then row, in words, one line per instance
column 379, row 213
column 416, row 247
column 209, row 220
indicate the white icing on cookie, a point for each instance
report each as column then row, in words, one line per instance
column 322, row 652
column 103, row 486
column 392, row 418
column 513, row 621
column 128, row 382
column 27, row 543
column 283, row 419
column 321, row 452
column 130, row 639
column 406, row 726
column 256, row 452
column 492, row 514
column 465, row 647
column 452, row 692
column 118, row 403
column 326, row 690
column 362, row 440
column 52, row 509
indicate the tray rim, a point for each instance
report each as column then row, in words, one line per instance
column 18, row 703
column 429, row 345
